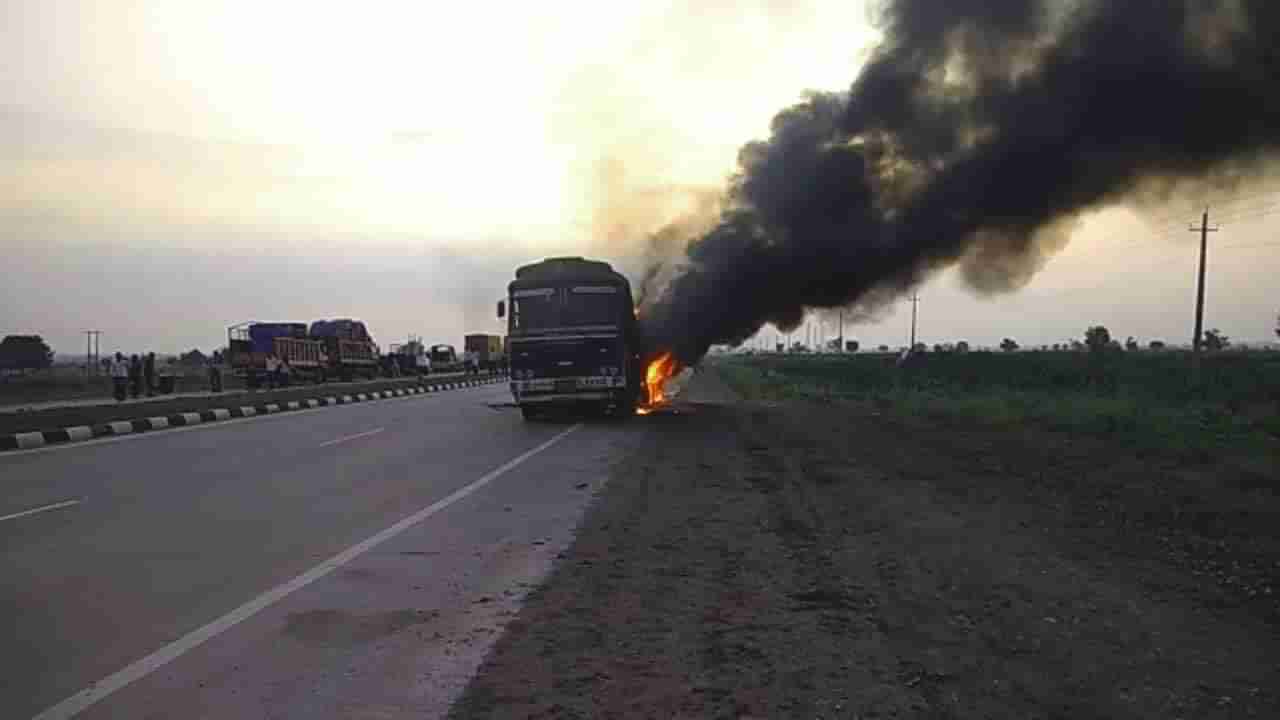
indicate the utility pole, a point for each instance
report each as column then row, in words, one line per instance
column 841, row 349
column 915, row 303
column 91, row 352
column 1204, row 230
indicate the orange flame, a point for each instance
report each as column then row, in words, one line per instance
column 656, row 374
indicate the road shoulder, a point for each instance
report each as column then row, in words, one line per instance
column 804, row 560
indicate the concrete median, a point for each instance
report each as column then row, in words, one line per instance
column 80, row 424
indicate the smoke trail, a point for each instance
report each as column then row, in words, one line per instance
column 977, row 133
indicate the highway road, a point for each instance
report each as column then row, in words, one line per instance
column 354, row 561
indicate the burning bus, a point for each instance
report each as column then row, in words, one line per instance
column 573, row 337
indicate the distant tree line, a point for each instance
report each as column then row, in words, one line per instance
column 1097, row 340
column 25, row 352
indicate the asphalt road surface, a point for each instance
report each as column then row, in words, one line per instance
column 351, row 562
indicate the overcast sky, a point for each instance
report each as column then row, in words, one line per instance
column 172, row 168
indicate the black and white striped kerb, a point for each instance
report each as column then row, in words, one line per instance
column 80, row 433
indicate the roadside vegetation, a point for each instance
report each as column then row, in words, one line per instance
column 1150, row 400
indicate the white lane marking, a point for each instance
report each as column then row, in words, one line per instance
column 247, row 411
column 121, row 427
column 139, row 669
column 191, row 418
column 273, row 407
column 345, row 438
column 222, row 414
column 42, row 508
column 158, row 423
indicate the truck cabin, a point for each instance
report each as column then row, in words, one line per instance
column 443, row 354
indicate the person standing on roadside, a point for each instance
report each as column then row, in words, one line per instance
column 215, row 374
column 135, row 376
column 273, row 370
column 119, row 377
column 149, row 373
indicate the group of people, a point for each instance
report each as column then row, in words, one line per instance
column 133, row 376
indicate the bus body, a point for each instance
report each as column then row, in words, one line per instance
column 572, row 336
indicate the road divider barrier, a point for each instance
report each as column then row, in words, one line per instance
column 81, row 433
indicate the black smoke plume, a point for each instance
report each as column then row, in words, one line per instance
column 975, row 134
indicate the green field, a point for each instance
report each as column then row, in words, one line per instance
column 1152, row 400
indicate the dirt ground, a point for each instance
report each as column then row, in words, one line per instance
column 826, row 561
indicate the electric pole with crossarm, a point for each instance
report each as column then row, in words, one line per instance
column 1197, row 339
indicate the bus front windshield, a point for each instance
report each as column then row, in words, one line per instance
column 550, row 308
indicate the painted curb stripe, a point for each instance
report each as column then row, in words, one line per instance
column 80, row 433
column 29, row 440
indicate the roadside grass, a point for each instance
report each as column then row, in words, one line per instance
column 1148, row 400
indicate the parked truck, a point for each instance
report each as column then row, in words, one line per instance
column 487, row 349
column 254, row 349
column 349, row 349
column 444, row 359
column 411, row 357
column 573, row 337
